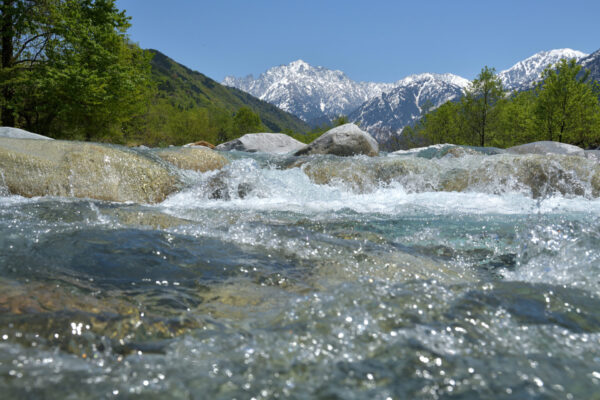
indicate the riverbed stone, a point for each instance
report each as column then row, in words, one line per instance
column 199, row 159
column 16, row 133
column 200, row 143
column 547, row 147
column 274, row 143
column 344, row 140
column 79, row 169
column 593, row 155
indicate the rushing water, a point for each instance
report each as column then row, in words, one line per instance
column 327, row 278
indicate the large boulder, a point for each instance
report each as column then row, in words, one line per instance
column 77, row 169
column 200, row 159
column 344, row 140
column 16, row 133
column 276, row 143
column 547, row 147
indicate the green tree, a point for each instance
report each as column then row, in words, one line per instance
column 567, row 107
column 246, row 121
column 516, row 120
column 478, row 105
column 340, row 120
column 70, row 70
column 443, row 125
column 25, row 31
column 221, row 124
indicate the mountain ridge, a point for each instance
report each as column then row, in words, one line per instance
column 320, row 94
column 592, row 62
column 388, row 113
column 525, row 73
column 309, row 92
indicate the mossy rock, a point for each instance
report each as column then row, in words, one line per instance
column 87, row 170
column 193, row 158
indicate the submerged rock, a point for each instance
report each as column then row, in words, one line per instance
column 194, row 158
column 547, row 147
column 76, row 169
column 276, row 143
column 68, row 317
column 16, row 133
column 222, row 186
column 344, row 140
column 146, row 218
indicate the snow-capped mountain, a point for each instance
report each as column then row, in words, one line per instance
column 592, row 62
column 311, row 93
column 390, row 112
column 525, row 73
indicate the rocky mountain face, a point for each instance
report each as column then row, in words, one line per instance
column 389, row 112
column 592, row 62
column 311, row 93
column 524, row 74
column 318, row 94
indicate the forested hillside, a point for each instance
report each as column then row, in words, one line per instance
column 189, row 106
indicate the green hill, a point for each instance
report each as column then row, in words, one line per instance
column 186, row 89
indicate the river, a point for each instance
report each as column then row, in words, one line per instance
column 316, row 278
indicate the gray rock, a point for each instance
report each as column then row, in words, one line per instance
column 547, row 147
column 277, row 143
column 78, row 169
column 593, row 155
column 16, row 133
column 198, row 158
column 344, row 140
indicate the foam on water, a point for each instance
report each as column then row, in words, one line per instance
column 272, row 189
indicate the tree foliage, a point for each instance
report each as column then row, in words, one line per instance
column 564, row 107
column 479, row 102
column 69, row 70
column 566, row 103
column 246, row 121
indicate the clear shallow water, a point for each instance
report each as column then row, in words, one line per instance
column 257, row 282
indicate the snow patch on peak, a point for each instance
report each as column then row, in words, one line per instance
column 299, row 65
column 428, row 76
column 526, row 72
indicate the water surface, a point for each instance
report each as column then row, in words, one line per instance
column 324, row 278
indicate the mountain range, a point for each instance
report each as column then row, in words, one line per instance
column 388, row 113
column 308, row 92
column 317, row 94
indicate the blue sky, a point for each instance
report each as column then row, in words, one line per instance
column 372, row 40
